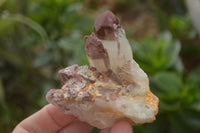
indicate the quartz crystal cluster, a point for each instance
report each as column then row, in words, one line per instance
column 113, row 87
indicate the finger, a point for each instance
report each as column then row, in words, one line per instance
column 107, row 130
column 122, row 127
column 48, row 120
column 77, row 127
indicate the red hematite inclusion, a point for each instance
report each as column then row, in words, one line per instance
column 104, row 22
column 113, row 87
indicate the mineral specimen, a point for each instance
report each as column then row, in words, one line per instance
column 113, row 87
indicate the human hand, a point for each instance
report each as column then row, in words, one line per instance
column 50, row 120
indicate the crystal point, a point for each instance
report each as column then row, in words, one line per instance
column 113, row 87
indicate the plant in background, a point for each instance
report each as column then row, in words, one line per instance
column 31, row 52
column 46, row 36
column 159, row 54
column 178, row 94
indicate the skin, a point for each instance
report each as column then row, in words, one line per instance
column 50, row 120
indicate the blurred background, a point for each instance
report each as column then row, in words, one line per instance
column 39, row 37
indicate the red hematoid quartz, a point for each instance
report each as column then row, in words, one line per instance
column 113, row 87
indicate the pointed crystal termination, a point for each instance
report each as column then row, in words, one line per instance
column 109, row 49
column 113, row 88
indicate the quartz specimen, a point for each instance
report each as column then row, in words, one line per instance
column 113, row 87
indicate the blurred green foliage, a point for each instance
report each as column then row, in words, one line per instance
column 37, row 38
column 158, row 54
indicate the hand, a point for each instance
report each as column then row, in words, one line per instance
column 50, row 120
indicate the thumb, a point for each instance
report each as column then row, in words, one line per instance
column 122, row 127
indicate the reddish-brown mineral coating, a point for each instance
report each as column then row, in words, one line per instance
column 112, row 88
column 95, row 50
column 104, row 25
column 65, row 74
column 93, row 47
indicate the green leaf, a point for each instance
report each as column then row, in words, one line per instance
column 190, row 96
column 161, row 16
column 2, row 97
column 2, row 2
column 159, row 54
column 42, row 59
column 139, row 129
column 168, row 104
column 185, row 121
column 181, row 26
column 11, row 57
column 177, row 125
column 172, row 53
column 196, row 105
column 95, row 130
column 192, row 118
column 156, row 126
column 169, row 83
column 7, row 22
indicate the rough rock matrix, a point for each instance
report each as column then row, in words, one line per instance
column 113, row 87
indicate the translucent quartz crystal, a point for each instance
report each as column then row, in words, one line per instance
column 113, row 87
